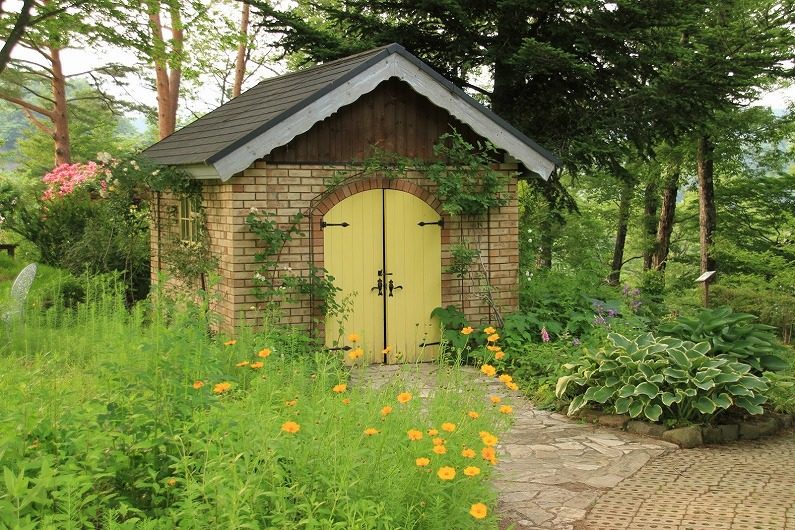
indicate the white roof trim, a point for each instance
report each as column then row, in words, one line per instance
column 202, row 171
column 393, row 65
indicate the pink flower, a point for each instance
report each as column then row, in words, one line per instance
column 544, row 334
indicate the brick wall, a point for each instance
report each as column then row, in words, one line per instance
column 286, row 189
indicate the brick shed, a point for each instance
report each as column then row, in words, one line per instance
column 296, row 144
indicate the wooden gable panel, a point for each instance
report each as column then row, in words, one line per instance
column 392, row 117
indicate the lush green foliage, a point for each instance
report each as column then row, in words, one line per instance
column 736, row 336
column 661, row 379
column 143, row 419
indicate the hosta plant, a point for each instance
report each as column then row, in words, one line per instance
column 661, row 379
column 738, row 336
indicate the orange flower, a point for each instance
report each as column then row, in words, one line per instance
column 220, row 388
column 495, row 399
column 386, row 350
column 171, row 482
column 292, row 403
column 500, row 355
column 353, row 337
column 471, row 471
column 386, row 411
column 422, row 462
column 493, row 337
column 346, row 401
column 242, row 363
column 446, row 473
column 230, row 342
column 505, row 378
column 493, row 348
column 257, row 365
column 265, row 352
column 472, row 414
column 340, row 388
column 198, row 384
column 512, row 386
column 488, row 439
column 489, row 330
column 432, row 432
column 479, row 511
column 355, row 354
column 468, row 453
column 489, row 454
column 370, row 431
column 467, row 330
column 506, row 409
column 404, row 397
column 414, row 435
column 439, row 449
column 291, row 427
column 448, row 427
column 488, row 369
column 438, row 441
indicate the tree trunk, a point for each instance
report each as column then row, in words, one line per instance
column 665, row 225
column 706, row 201
column 240, row 61
column 60, row 119
column 649, row 222
column 625, row 202
column 167, row 83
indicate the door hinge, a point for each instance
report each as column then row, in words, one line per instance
column 440, row 222
column 324, row 224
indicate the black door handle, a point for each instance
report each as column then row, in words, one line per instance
column 392, row 286
column 379, row 286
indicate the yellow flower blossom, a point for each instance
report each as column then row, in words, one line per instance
column 291, row 403
column 386, row 350
column 265, row 352
column 230, row 342
column 446, row 473
column 488, row 439
column 467, row 330
column 468, row 453
column 353, row 337
column 479, row 510
column 506, row 409
column 439, row 449
column 495, row 399
column 472, row 414
column 242, row 363
column 257, row 365
column 422, row 462
column 386, row 411
column 171, row 482
column 355, row 354
column 489, row 454
column 291, row 427
column 432, row 432
column 448, row 427
column 438, row 441
column 500, row 355
column 493, row 337
column 404, row 397
column 370, row 431
column 220, row 388
column 512, row 386
column 488, row 369
column 471, row 471
column 489, row 330
column 198, row 384
column 346, row 401
column 493, row 348
column 505, row 378
column 414, row 435
column 340, row 388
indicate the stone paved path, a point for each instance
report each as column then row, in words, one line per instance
column 738, row 486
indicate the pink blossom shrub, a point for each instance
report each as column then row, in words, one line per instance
column 66, row 178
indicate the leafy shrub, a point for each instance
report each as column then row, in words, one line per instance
column 774, row 308
column 732, row 335
column 661, row 379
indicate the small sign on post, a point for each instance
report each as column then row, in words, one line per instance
column 705, row 279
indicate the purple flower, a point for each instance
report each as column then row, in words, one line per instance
column 612, row 312
column 599, row 320
column 575, row 341
column 544, row 334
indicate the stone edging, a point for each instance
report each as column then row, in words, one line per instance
column 694, row 435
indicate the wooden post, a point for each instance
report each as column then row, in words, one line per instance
column 705, row 279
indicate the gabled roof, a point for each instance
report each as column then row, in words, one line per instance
column 230, row 138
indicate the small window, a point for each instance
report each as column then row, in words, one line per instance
column 188, row 217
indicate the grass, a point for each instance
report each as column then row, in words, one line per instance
column 113, row 418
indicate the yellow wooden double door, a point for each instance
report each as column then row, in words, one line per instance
column 383, row 248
